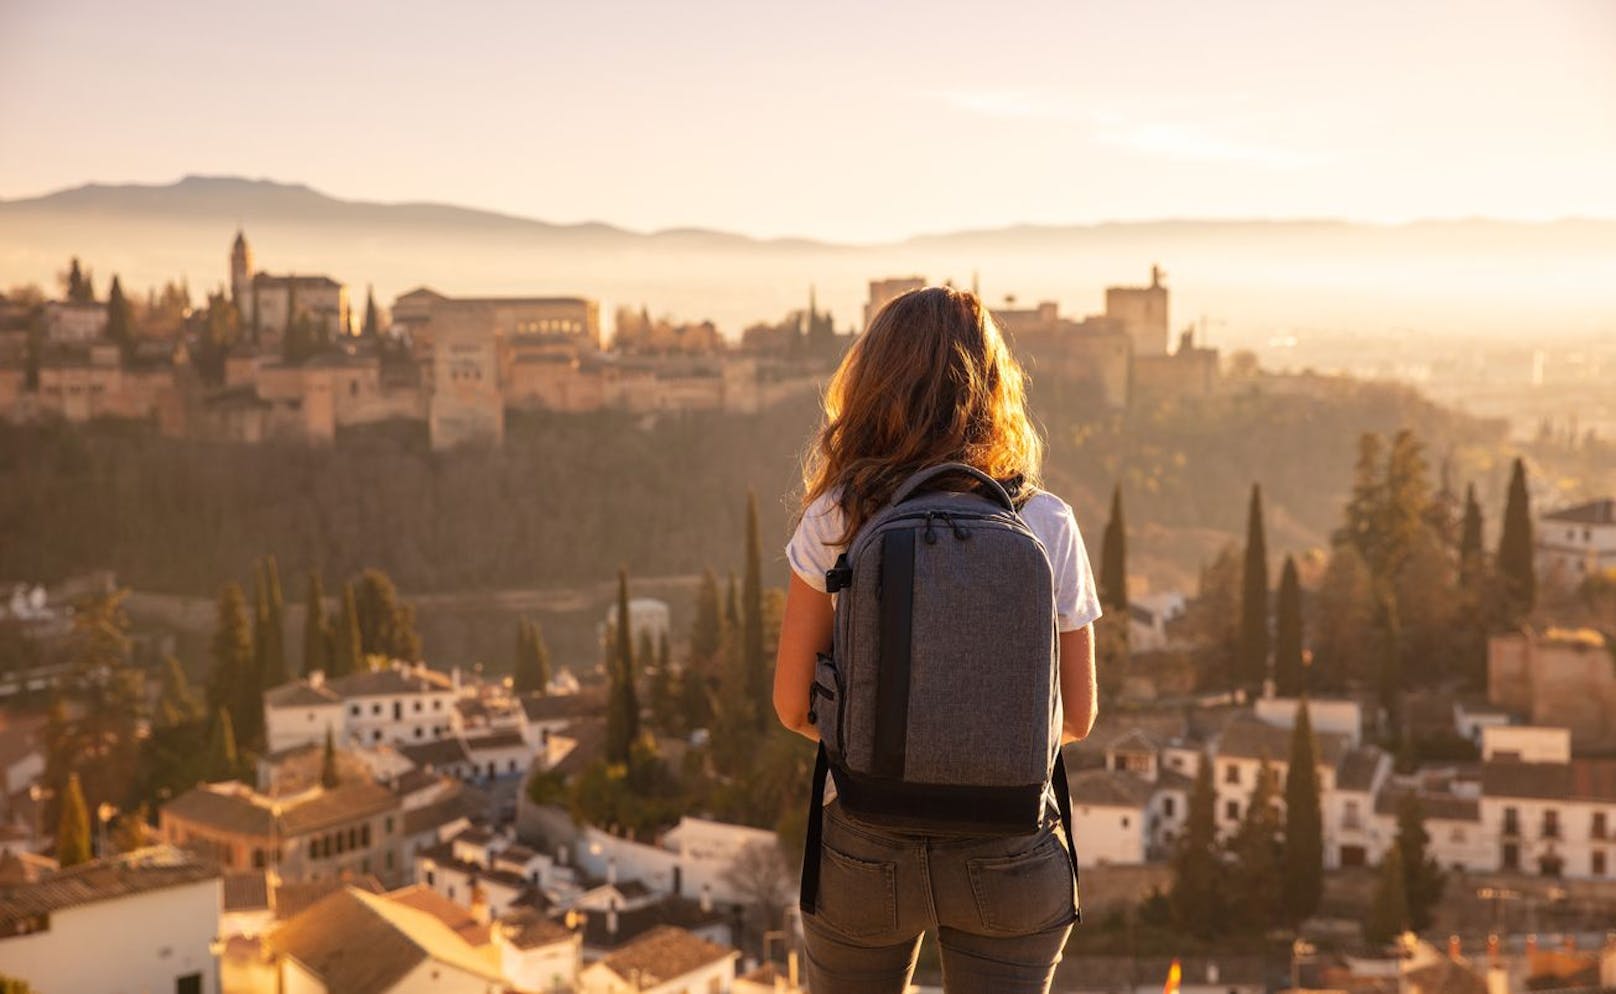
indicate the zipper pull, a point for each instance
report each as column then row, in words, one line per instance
column 960, row 531
column 930, row 535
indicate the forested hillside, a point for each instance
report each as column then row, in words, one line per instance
column 570, row 497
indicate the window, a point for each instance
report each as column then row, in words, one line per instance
column 1596, row 864
column 376, row 708
column 417, row 706
column 1597, row 830
column 1349, row 816
column 190, row 983
column 513, row 766
column 354, row 710
column 1511, row 856
column 314, row 849
column 418, row 731
column 1512, row 821
column 1168, row 806
column 1125, row 821
column 387, row 825
column 1231, row 774
column 431, row 879
column 1231, row 810
column 1551, row 824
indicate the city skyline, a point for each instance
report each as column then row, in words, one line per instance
column 1087, row 113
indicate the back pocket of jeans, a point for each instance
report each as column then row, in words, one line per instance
column 857, row 897
column 1025, row 892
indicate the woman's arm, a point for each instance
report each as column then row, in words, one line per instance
column 1080, row 697
column 805, row 631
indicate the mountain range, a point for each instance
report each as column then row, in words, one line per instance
column 1249, row 279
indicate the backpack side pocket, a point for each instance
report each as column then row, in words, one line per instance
column 827, row 703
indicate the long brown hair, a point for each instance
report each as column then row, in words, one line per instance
column 930, row 381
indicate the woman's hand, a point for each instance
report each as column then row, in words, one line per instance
column 805, row 631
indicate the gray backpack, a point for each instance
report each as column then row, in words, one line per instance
column 938, row 708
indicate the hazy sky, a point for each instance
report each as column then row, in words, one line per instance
column 841, row 120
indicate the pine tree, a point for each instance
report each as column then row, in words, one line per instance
column 622, row 709
column 1388, row 912
column 1515, row 566
column 73, row 845
column 120, row 319
column 347, row 653
column 1253, row 644
column 1303, row 863
column 1114, row 560
column 328, row 762
column 1197, row 892
column 706, row 629
column 224, row 761
column 1423, row 879
column 316, row 633
column 1290, row 675
column 757, row 667
column 1470, row 550
column 232, row 651
column 1406, row 501
column 1363, row 513
column 1255, row 903
column 1344, row 618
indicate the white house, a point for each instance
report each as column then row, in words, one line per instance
column 1111, row 816
column 647, row 616
column 129, row 924
column 693, row 859
column 1149, row 616
column 402, row 703
column 1577, row 542
column 665, row 960
column 537, row 953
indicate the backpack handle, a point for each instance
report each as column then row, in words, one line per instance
column 921, row 477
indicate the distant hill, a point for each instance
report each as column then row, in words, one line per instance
column 1252, row 278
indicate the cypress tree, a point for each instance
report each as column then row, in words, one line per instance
column 1196, row 897
column 1257, row 847
column 1515, row 553
column 275, row 668
column 73, row 844
column 539, row 666
column 224, row 761
column 373, row 328
column 1388, row 912
column 347, row 655
column 120, row 319
column 707, row 628
column 1423, row 879
column 732, row 604
column 757, row 667
column 1405, row 507
column 1470, row 551
column 1253, row 644
column 521, row 679
column 1303, row 864
column 664, row 691
column 232, row 650
column 1290, row 676
column 316, row 633
column 623, row 709
column 1114, row 560
column 328, row 762
column 177, row 703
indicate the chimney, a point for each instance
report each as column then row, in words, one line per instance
column 706, row 899
column 791, row 968
column 611, row 871
column 317, row 679
column 479, row 905
column 1211, row 972
column 1492, row 947
column 611, row 920
column 1454, row 948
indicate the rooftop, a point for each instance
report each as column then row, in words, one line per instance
column 138, row 872
column 1250, row 738
column 1106, row 788
column 361, row 943
column 663, row 954
column 236, row 809
column 1595, row 512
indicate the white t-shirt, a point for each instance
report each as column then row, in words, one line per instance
column 1077, row 600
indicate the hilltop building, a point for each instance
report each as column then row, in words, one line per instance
column 1141, row 313
column 884, row 291
column 269, row 305
column 142, row 921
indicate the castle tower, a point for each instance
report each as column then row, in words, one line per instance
column 241, row 274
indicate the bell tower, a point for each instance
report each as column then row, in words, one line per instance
column 241, row 274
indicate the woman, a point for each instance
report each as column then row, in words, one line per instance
column 931, row 381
